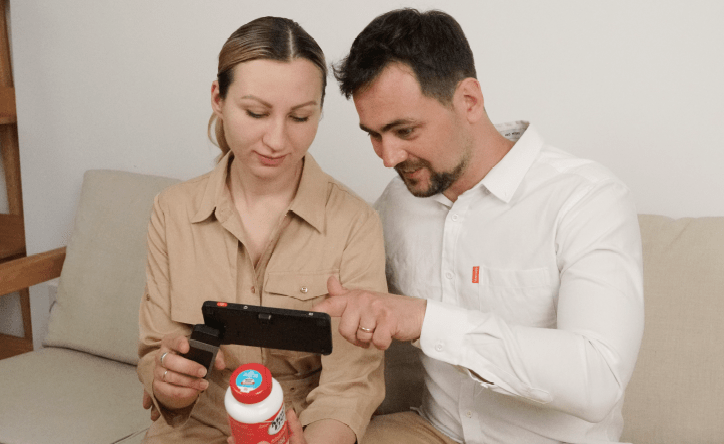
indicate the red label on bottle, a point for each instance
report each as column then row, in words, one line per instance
column 272, row 431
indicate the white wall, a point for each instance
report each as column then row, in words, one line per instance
column 125, row 85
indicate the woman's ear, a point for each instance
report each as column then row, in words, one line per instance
column 470, row 98
column 216, row 100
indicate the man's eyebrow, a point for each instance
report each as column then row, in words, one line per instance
column 268, row 105
column 389, row 126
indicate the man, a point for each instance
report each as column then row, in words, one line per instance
column 521, row 263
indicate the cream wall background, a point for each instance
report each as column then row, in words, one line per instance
column 125, row 85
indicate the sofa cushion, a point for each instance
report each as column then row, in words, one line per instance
column 103, row 276
column 64, row 396
column 404, row 380
column 676, row 394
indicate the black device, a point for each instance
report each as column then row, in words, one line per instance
column 256, row 326
column 203, row 345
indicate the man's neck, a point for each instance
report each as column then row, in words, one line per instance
column 489, row 148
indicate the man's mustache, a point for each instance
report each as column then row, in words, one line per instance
column 409, row 166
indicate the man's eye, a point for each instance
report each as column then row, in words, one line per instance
column 404, row 132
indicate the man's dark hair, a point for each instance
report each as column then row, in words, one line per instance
column 431, row 43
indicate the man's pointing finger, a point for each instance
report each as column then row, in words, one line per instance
column 333, row 306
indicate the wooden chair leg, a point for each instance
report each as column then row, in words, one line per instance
column 25, row 308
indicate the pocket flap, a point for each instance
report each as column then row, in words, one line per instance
column 187, row 313
column 299, row 285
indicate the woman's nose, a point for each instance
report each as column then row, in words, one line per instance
column 275, row 136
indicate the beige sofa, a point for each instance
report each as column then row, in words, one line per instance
column 82, row 387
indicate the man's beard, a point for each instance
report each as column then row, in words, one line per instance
column 439, row 181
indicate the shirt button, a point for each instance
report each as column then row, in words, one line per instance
column 449, row 275
column 304, row 289
column 253, row 290
column 438, row 347
column 469, row 414
column 455, row 217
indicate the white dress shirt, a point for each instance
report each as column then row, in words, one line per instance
column 535, row 296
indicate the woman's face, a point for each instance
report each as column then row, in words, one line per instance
column 271, row 113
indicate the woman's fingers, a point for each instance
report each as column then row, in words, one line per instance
column 177, row 381
column 171, row 377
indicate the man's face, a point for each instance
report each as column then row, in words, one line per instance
column 424, row 140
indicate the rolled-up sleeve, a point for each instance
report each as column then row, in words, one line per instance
column 351, row 385
column 154, row 316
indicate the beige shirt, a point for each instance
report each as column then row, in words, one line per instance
column 196, row 253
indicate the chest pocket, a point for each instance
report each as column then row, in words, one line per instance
column 296, row 290
column 521, row 297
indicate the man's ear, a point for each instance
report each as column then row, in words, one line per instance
column 469, row 97
column 216, row 99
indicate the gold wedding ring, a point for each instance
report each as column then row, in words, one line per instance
column 164, row 375
column 163, row 356
column 366, row 330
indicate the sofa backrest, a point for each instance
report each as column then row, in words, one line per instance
column 103, row 276
column 676, row 394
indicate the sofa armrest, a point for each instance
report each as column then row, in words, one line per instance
column 27, row 271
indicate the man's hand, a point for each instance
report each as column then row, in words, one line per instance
column 296, row 431
column 368, row 317
column 177, row 381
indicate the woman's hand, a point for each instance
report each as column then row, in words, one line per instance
column 177, row 381
column 148, row 404
column 296, row 431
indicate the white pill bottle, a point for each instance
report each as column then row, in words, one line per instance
column 255, row 404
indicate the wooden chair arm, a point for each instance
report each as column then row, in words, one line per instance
column 24, row 272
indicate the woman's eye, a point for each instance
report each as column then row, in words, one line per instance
column 254, row 115
column 299, row 119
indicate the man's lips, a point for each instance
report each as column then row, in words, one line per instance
column 410, row 172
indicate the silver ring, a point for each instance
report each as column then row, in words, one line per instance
column 164, row 375
column 366, row 330
column 163, row 356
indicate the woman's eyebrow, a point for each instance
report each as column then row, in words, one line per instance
column 268, row 105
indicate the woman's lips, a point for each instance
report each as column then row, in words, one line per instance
column 270, row 161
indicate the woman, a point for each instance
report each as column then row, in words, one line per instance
column 265, row 227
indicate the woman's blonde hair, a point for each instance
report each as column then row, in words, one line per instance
column 270, row 38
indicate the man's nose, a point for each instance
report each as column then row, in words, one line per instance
column 391, row 153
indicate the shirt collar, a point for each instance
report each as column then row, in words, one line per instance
column 214, row 189
column 311, row 199
column 506, row 176
column 309, row 202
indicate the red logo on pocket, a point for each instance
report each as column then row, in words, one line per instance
column 476, row 275
column 221, row 304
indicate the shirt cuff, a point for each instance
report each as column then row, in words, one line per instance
column 443, row 337
column 443, row 332
column 469, row 340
